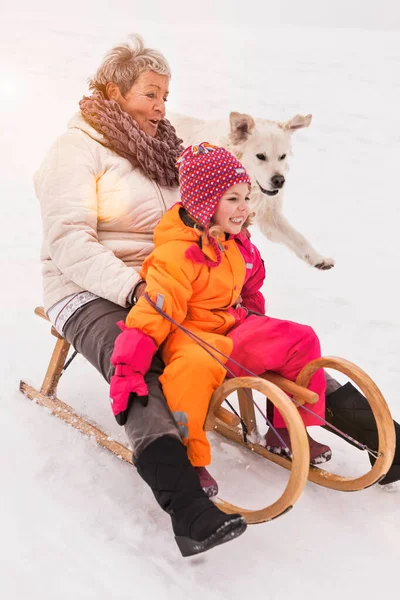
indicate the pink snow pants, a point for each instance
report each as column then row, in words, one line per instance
column 261, row 343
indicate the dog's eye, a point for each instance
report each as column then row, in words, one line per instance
column 282, row 157
column 261, row 156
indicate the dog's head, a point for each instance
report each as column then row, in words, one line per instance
column 264, row 147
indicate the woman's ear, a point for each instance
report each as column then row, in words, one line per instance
column 113, row 91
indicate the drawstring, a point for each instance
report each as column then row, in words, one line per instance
column 204, row 344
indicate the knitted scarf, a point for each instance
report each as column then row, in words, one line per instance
column 156, row 156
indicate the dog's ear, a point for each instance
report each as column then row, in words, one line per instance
column 297, row 122
column 242, row 126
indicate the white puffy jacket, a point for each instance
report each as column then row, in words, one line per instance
column 99, row 214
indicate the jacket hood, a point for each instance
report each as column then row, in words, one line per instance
column 171, row 227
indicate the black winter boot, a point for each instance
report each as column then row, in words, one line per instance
column 197, row 523
column 348, row 409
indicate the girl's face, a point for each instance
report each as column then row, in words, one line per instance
column 233, row 208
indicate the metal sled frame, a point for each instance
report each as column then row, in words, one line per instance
column 228, row 424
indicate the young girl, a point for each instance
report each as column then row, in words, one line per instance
column 206, row 274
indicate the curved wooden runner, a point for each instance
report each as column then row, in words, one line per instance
column 66, row 413
column 381, row 412
column 298, row 438
column 383, row 418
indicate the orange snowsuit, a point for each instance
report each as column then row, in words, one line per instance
column 193, row 296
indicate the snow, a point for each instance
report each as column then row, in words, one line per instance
column 77, row 522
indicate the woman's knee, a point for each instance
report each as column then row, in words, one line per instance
column 92, row 331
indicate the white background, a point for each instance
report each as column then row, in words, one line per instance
column 77, row 523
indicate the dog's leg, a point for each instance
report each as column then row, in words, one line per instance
column 278, row 229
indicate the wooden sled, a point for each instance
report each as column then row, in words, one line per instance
column 228, row 424
column 383, row 418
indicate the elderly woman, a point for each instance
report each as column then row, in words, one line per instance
column 103, row 187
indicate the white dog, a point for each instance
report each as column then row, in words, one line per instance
column 263, row 147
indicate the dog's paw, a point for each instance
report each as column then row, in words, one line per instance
column 324, row 264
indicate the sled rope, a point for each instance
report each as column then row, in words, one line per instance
column 242, row 423
column 69, row 361
column 204, row 344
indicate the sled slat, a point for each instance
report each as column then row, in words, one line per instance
column 299, row 393
column 227, row 417
column 54, row 370
column 67, row 414
column 246, row 406
column 39, row 311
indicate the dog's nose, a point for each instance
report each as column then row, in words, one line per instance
column 278, row 181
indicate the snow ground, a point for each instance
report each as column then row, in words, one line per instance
column 75, row 521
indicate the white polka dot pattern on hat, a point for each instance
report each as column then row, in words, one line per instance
column 205, row 173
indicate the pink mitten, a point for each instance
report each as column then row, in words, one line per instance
column 131, row 357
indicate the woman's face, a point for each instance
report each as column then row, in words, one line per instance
column 233, row 208
column 145, row 101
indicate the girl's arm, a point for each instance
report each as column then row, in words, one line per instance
column 252, row 298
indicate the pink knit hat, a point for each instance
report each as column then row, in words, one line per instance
column 205, row 173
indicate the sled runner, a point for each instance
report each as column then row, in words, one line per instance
column 241, row 427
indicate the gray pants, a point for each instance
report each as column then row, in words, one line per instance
column 92, row 330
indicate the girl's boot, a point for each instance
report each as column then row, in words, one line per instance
column 319, row 453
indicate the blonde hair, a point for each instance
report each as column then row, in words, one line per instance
column 215, row 231
column 124, row 63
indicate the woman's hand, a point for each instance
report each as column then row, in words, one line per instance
column 135, row 294
column 139, row 290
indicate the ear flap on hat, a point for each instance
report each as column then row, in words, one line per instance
column 242, row 126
